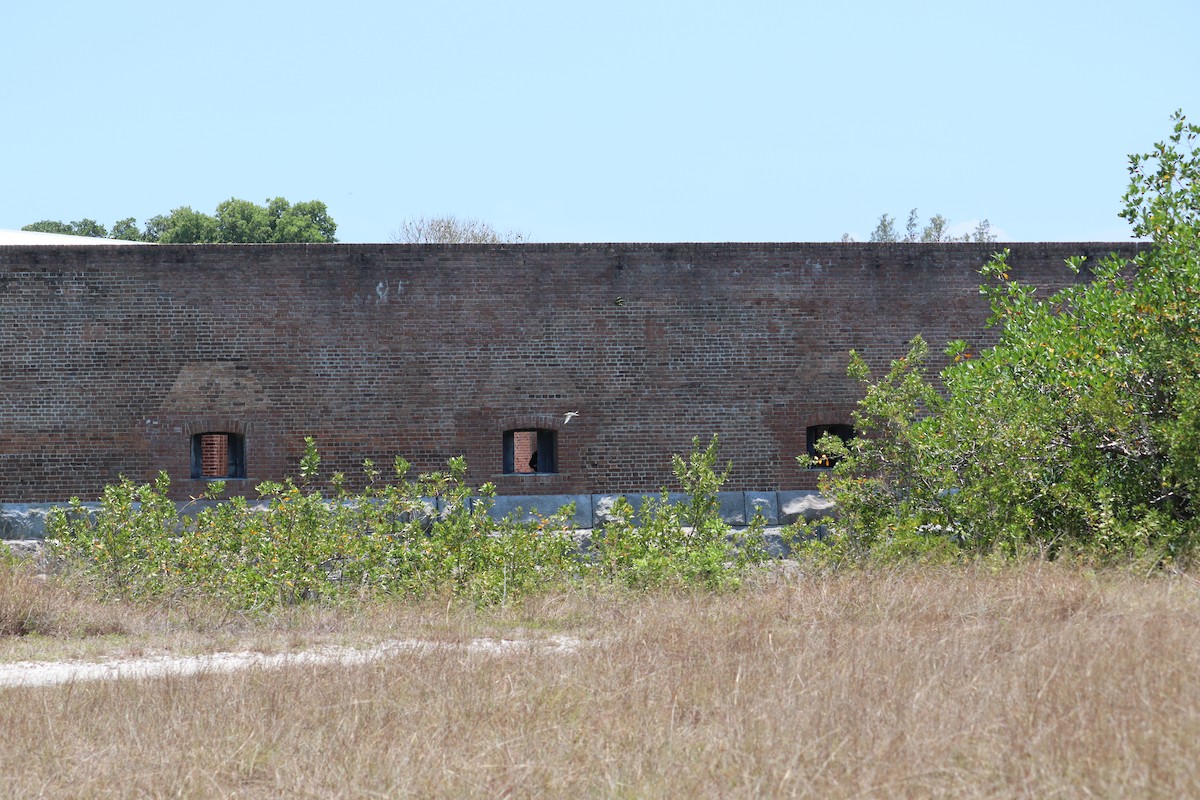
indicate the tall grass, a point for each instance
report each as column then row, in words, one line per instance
column 1035, row 680
column 29, row 604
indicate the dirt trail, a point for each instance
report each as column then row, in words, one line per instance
column 50, row 673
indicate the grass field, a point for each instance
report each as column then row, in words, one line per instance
column 1036, row 680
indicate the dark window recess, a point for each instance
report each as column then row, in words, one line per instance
column 218, row 456
column 815, row 432
column 530, row 452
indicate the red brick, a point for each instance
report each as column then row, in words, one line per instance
column 111, row 358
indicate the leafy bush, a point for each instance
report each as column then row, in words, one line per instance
column 405, row 537
column 298, row 545
column 1078, row 432
column 685, row 544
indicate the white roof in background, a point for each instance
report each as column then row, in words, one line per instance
column 57, row 239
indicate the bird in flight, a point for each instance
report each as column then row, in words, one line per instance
column 570, row 416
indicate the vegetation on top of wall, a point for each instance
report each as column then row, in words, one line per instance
column 402, row 537
column 936, row 230
column 1079, row 432
column 450, row 229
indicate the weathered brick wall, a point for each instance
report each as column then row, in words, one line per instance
column 111, row 358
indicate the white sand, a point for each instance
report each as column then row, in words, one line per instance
column 49, row 673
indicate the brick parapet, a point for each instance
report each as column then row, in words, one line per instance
column 111, row 358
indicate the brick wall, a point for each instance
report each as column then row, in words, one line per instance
column 112, row 358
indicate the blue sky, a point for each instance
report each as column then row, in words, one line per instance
column 613, row 121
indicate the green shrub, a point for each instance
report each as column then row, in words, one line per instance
column 1079, row 432
column 687, row 544
column 404, row 537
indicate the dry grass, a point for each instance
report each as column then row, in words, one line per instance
column 30, row 604
column 1034, row 681
column 53, row 619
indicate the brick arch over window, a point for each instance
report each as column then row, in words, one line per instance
column 227, row 424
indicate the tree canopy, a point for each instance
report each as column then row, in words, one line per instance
column 1078, row 432
column 82, row 227
column 235, row 222
column 450, row 229
column 936, row 230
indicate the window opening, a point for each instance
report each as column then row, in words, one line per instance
column 530, row 452
column 814, row 434
column 218, row 456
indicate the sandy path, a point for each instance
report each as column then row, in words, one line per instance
column 50, row 673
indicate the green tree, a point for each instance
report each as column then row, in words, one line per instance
column 126, row 229
column 303, row 222
column 182, row 226
column 83, row 227
column 241, row 221
column 885, row 230
column 936, row 230
column 278, row 221
column 453, row 230
column 235, row 221
column 1080, row 429
column 50, row 226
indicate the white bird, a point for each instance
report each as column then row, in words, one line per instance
column 570, row 416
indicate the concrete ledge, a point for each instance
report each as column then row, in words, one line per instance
column 28, row 520
column 602, row 504
column 806, row 506
column 733, row 508
column 736, row 508
column 764, row 503
column 530, row 508
column 775, row 543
